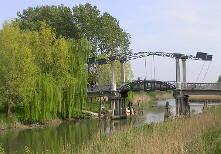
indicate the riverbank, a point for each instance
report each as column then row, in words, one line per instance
column 92, row 109
column 198, row 134
column 152, row 96
column 203, row 98
column 13, row 124
column 68, row 137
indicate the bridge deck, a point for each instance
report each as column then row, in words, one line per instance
column 200, row 88
column 151, row 85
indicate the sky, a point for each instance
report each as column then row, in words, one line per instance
column 177, row 26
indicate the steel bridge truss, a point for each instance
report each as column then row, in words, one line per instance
column 132, row 56
column 148, row 85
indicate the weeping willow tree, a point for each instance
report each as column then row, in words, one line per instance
column 44, row 73
column 46, row 100
column 17, row 68
column 75, row 91
column 61, row 88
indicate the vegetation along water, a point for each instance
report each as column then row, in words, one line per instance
column 44, row 76
column 135, row 134
column 43, row 57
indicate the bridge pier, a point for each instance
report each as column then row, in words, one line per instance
column 118, row 108
column 184, row 69
column 114, row 87
column 122, row 73
column 178, row 84
column 182, row 104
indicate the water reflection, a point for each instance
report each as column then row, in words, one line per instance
column 57, row 139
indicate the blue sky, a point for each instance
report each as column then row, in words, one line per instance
column 184, row 26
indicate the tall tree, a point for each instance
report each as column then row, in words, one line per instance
column 102, row 30
column 60, row 18
column 83, row 21
column 43, row 74
column 17, row 67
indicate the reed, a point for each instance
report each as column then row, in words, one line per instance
column 169, row 137
column 145, row 97
column 204, row 97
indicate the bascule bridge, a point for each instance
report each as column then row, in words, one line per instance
column 181, row 88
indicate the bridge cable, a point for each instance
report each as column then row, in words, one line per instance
column 200, row 71
column 207, row 71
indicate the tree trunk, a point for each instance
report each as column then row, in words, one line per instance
column 8, row 110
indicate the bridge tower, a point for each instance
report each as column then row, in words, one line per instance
column 113, row 85
column 184, row 69
column 122, row 72
column 118, row 104
column 178, row 84
column 182, row 104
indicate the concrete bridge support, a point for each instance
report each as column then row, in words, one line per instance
column 118, row 108
column 113, row 87
column 122, row 73
column 178, row 85
column 184, row 70
column 182, row 105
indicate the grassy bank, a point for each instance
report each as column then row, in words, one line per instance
column 202, row 98
column 151, row 96
column 198, row 134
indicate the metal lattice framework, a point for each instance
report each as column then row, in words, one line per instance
column 148, row 85
column 132, row 56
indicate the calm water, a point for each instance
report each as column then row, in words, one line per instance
column 57, row 138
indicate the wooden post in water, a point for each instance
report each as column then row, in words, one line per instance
column 187, row 105
column 118, row 110
column 100, row 103
column 113, row 106
column 177, row 107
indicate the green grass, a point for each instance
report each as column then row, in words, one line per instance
column 198, row 134
column 147, row 104
column 212, row 141
column 208, row 142
column 7, row 122
column 152, row 94
column 94, row 106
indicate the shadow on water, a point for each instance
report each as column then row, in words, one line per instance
column 71, row 135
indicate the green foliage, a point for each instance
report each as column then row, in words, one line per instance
column 43, row 74
column 60, row 18
column 102, row 30
column 93, row 105
column 105, row 77
column 17, row 66
column 152, row 94
column 130, row 97
column 2, row 151
column 83, row 21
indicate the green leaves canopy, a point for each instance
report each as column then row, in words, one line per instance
column 43, row 74
column 83, row 21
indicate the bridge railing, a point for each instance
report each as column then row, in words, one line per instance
column 201, row 86
column 97, row 88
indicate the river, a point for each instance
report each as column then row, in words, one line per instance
column 57, row 138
